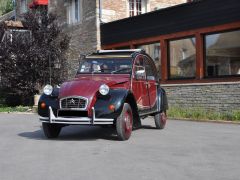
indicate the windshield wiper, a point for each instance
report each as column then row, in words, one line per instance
column 120, row 70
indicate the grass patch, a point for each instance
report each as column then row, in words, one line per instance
column 201, row 114
column 14, row 109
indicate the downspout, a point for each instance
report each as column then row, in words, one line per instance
column 15, row 11
column 100, row 11
column 99, row 22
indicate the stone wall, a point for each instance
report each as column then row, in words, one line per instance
column 216, row 97
column 112, row 11
column 18, row 8
column 83, row 34
column 160, row 4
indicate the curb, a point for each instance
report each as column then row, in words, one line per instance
column 206, row 121
column 176, row 119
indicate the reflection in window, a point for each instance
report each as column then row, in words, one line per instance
column 182, row 58
column 223, row 54
column 153, row 50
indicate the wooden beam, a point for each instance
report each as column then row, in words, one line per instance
column 199, row 56
column 164, row 60
column 211, row 29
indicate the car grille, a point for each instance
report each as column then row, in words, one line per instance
column 67, row 113
column 73, row 103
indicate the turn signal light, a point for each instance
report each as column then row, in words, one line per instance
column 43, row 105
column 111, row 107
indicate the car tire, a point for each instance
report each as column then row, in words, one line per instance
column 160, row 120
column 124, row 123
column 51, row 130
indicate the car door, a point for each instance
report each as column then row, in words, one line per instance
column 139, row 84
column 152, row 82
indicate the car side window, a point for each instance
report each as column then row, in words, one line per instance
column 150, row 69
column 139, row 69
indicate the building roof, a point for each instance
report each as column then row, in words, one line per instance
column 187, row 16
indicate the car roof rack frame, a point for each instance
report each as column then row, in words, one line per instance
column 119, row 51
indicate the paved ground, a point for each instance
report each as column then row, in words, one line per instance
column 182, row 151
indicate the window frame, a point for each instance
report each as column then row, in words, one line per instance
column 205, row 54
column 169, row 58
column 71, row 12
column 160, row 57
column 135, row 11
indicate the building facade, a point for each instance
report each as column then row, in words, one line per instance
column 195, row 44
column 81, row 19
column 196, row 47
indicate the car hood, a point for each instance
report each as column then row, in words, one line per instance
column 88, row 85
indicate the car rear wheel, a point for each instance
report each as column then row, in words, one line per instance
column 160, row 120
column 51, row 130
column 124, row 123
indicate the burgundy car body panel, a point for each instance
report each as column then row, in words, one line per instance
column 87, row 86
column 152, row 88
column 140, row 92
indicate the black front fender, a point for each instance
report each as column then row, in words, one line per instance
column 116, row 97
column 51, row 100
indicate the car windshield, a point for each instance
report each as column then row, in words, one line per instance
column 106, row 66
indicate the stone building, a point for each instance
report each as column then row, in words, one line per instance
column 195, row 45
column 81, row 19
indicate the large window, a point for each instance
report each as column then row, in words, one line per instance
column 74, row 11
column 182, row 58
column 154, row 52
column 137, row 7
column 222, row 54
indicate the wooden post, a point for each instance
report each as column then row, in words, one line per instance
column 164, row 60
column 199, row 56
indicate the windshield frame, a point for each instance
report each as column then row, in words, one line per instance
column 107, row 60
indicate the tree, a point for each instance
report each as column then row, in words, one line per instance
column 6, row 7
column 32, row 58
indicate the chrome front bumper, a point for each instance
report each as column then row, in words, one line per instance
column 75, row 121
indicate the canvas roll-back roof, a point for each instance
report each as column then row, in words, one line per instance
column 125, row 53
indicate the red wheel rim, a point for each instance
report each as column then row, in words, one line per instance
column 128, row 123
column 163, row 118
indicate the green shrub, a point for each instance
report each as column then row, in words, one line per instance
column 198, row 113
column 13, row 109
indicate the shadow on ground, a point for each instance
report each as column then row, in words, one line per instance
column 72, row 133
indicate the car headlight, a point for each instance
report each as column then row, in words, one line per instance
column 104, row 89
column 48, row 89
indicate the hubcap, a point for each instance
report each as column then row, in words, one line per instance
column 128, row 122
column 163, row 118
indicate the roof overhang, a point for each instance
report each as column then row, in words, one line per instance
column 13, row 24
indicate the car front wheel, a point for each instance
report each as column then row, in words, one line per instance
column 51, row 130
column 124, row 123
column 160, row 120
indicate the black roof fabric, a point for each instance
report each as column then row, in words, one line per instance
column 198, row 14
